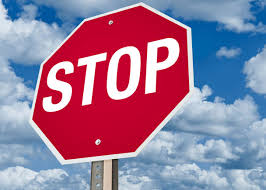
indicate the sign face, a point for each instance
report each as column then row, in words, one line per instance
column 114, row 82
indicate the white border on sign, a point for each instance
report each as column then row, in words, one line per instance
column 163, row 123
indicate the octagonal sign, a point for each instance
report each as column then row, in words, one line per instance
column 114, row 82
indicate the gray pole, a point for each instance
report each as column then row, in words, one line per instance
column 104, row 175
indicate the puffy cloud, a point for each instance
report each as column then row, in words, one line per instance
column 25, row 40
column 143, row 176
column 238, row 15
column 191, row 176
column 134, row 182
column 16, row 135
column 171, row 148
column 19, row 178
column 215, row 118
column 14, row 154
column 229, row 135
column 15, row 98
column 255, row 69
column 12, row 178
column 228, row 52
column 175, row 148
column 29, row 12
column 232, row 15
column 12, row 86
column 246, row 179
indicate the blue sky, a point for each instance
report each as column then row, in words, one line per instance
column 217, row 140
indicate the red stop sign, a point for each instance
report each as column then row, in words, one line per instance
column 113, row 83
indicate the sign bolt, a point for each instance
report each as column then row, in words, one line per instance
column 110, row 22
column 98, row 141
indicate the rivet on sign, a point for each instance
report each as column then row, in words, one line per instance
column 111, row 22
column 98, row 141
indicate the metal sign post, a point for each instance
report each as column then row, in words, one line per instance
column 104, row 175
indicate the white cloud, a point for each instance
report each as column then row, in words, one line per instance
column 12, row 87
column 12, row 178
column 191, row 176
column 232, row 15
column 256, row 138
column 25, row 40
column 133, row 182
column 29, row 12
column 228, row 52
column 16, row 135
column 19, row 178
column 174, row 148
column 244, row 152
column 242, row 179
column 215, row 118
column 229, row 135
column 143, row 176
column 15, row 100
column 14, row 154
column 255, row 69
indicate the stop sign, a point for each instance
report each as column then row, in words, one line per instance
column 114, row 82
